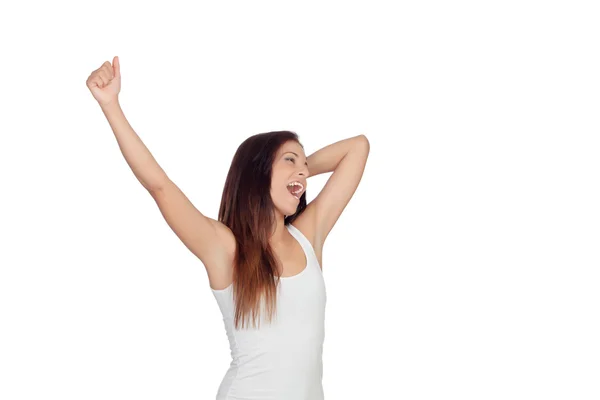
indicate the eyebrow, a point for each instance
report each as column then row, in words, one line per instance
column 295, row 155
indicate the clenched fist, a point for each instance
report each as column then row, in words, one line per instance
column 105, row 82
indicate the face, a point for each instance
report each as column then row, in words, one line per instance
column 289, row 166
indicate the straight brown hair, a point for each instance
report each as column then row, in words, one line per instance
column 248, row 210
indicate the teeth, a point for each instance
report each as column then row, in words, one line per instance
column 297, row 191
column 296, row 184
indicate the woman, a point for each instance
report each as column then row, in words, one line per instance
column 264, row 271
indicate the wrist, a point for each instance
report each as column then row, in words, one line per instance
column 110, row 105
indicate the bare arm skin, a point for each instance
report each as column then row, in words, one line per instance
column 210, row 240
column 347, row 159
column 137, row 155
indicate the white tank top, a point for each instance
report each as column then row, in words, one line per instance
column 281, row 360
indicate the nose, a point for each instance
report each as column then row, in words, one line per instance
column 303, row 171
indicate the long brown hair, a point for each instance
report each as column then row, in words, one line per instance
column 248, row 210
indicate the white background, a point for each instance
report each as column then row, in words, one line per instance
column 466, row 266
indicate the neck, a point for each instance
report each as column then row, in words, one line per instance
column 280, row 233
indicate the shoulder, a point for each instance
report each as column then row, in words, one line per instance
column 220, row 268
column 225, row 235
column 307, row 224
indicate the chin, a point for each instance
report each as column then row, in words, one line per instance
column 288, row 213
column 287, row 209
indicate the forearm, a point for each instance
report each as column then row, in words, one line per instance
column 138, row 157
column 328, row 158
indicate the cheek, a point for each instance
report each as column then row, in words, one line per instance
column 276, row 187
column 278, row 179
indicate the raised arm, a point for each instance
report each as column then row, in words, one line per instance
column 138, row 157
column 347, row 159
column 210, row 240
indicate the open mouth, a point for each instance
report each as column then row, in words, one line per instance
column 295, row 189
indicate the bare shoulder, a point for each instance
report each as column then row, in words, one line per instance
column 225, row 234
column 307, row 224
column 220, row 270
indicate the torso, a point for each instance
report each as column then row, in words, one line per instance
column 291, row 255
column 281, row 358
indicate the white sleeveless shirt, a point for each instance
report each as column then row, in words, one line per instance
column 281, row 360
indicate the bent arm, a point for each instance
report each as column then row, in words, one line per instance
column 347, row 159
column 328, row 158
column 140, row 160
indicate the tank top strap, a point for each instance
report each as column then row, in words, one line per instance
column 305, row 243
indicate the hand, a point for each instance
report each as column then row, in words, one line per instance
column 105, row 82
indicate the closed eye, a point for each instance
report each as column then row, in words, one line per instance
column 292, row 159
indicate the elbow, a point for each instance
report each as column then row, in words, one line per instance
column 363, row 139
